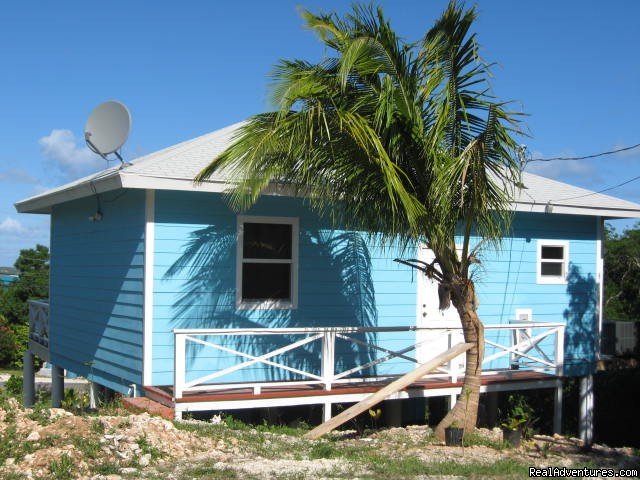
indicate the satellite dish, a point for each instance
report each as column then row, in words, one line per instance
column 108, row 128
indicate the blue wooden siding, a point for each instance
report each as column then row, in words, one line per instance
column 506, row 281
column 343, row 281
column 346, row 279
column 96, row 293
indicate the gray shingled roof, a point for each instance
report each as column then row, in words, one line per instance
column 174, row 168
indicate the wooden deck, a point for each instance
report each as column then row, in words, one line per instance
column 235, row 398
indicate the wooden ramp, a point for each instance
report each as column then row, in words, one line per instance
column 388, row 390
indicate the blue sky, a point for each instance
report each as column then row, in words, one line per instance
column 187, row 68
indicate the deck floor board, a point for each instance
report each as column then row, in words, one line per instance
column 164, row 393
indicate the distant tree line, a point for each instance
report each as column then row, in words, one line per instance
column 32, row 283
column 622, row 274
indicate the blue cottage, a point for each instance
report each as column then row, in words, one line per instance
column 158, row 289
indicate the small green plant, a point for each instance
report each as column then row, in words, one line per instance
column 90, row 448
column 97, row 427
column 147, row 448
column 106, row 468
column 375, row 414
column 40, row 414
column 13, row 385
column 75, row 402
column 61, row 469
column 519, row 416
column 324, row 450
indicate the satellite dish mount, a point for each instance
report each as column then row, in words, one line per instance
column 107, row 129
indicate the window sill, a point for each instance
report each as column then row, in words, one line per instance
column 551, row 281
column 266, row 305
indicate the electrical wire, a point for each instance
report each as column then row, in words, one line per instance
column 585, row 157
column 599, row 191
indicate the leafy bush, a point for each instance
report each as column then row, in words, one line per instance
column 13, row 386
column 8, row 344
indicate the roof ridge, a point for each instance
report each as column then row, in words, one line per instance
column 181, row 147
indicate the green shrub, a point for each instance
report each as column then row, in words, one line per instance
column 8, row 345
column 13, row 386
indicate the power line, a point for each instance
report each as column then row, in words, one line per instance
column 599, row 191
column 585, row 157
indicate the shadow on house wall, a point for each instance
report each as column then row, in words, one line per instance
column 335, row 289
column 581, row 333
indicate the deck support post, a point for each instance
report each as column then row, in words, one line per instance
column 492, row 409
column 557, row 409
column 93, row 394
column 392, row 410
column 586, row 410
column 453, row 399
column 326, row 411
column 29, row 379
column 57, row 386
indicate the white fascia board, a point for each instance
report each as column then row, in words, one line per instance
column 576, row 210
column 164, row 183
column 43, row 204
column 183, row 184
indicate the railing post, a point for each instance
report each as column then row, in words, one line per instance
column 328, row 358
column 557, row 410
column 560, row 351
column 179, row 364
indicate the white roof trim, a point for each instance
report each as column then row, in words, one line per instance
column 174, row 168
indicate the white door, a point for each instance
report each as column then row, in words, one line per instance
column 433, row 342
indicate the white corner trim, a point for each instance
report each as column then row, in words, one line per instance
column 149, row 250
column 600, row 276
column 548, row 280
column 295, row 240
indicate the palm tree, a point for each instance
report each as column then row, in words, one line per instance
column 403, row 139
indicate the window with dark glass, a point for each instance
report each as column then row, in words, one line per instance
column 552, row 261
column 267, row 261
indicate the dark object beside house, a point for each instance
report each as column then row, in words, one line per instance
column 453, row 436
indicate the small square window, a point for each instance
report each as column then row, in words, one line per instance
column 267, row 262
column 552, row 260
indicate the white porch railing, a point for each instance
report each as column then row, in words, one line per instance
column 521, row 342
column 39, row 322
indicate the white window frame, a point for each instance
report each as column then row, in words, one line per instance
column 267, row 304
column 547, row 279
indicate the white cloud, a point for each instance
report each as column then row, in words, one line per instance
column 17, row 175
column 11, row 226
column 16, row 235
column 61, row 147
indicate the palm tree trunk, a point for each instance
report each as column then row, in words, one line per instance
column 465, row 411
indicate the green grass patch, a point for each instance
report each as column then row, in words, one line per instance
column 147, row 448
column 474, row 438
column 40, row 414
column 13, row 476
column 106, row 468
column 500, row 467
column 89, row 447
column 61, row 469
column 211, row 472
column 12, row 445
